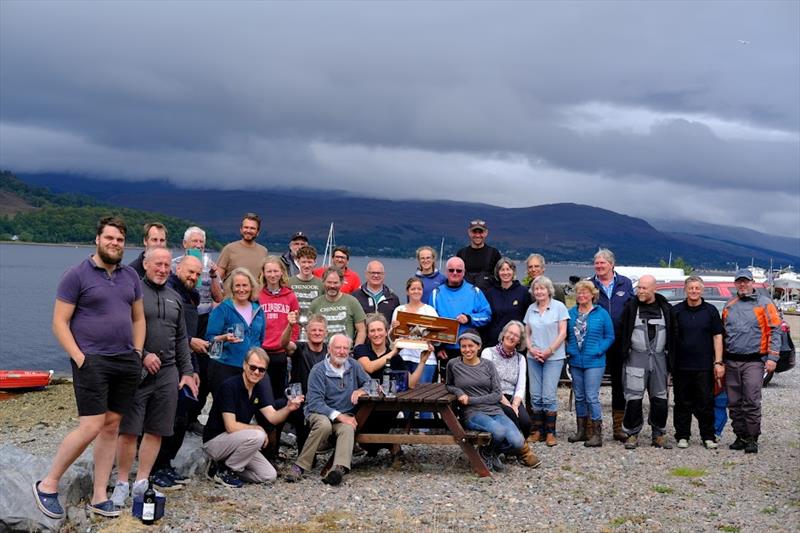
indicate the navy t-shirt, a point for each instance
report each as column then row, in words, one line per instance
column 694, row 342
column 365, row 350
column 303, row 360
column 232, row 397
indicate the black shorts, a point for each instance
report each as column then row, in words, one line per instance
column 154, row 405
column 106, row 383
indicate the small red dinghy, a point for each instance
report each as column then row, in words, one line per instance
column 13, row 380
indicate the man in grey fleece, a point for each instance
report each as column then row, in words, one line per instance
column 166, row 368
column 334, row 387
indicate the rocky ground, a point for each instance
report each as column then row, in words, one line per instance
column 576, row 488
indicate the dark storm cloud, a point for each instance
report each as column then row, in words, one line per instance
column 249, row 88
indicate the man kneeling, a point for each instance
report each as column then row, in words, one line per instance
column 334, row 386
column 233, row 444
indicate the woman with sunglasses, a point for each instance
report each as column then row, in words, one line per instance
column 230, row 440
column 235, row 326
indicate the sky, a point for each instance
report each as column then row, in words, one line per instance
column 682, row 110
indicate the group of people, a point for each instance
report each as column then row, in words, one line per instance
column 276, row 339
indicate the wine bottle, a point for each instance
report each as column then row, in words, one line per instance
column 149, row 504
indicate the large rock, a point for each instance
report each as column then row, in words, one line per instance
column 18, row 471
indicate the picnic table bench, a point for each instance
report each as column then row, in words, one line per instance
column 428, row 397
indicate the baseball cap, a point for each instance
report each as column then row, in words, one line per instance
column 477, row 224
column 743, row 273
column 299, row 236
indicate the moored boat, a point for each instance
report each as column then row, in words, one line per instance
column 17, row 380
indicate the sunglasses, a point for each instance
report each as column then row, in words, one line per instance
column 455, row 270
column 477, row 222
column 257, row 369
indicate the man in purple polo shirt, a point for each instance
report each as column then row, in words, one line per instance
column 99, row 320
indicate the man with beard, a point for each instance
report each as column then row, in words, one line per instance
column 155, row 235
column 334, row 387
column 246, row 253
column 167, row 368
column 304, row 356
column 342, row 311
column 479, row 258
column 99, row 321
column 183, row 282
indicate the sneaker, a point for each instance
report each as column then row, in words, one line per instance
column 121, row 491
column 717, row 438
column 738, row 444
column 632, row 442
column 106, row 508
column 176, row 477
column 751, row 446
column 228, row 478
column 334, row 476
column 661, row 442
column 684, row 443
column 486, row 456
column 293, row 474
column 497, row 464
column 140, row 486
column 163, row 481
column 212, row 470
column 710, row 444
column 48, row 503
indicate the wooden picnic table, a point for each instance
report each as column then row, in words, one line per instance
column 428, row 397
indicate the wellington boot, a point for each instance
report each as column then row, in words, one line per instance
column 537, row 427
column 550, row 428
column 528, row 457
column 617, row 418
column 580, row 434
column 596, row 439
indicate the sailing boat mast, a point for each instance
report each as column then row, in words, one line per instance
column 330, row 244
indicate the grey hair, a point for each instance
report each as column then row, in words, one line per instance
column 545, row 282
column 522, row 340
column 504, row 261
column 693, row 279
column 150, row 251
column 540, row 257
column 606, row 254
column 342, row 335
column 256, row 351
column 193, row 229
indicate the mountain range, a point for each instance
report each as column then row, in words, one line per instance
column 370, row 226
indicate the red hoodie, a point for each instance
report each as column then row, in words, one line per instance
column 276, row 307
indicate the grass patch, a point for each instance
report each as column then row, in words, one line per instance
column 662, row 489
column 729, row 529
column 770, row 509
column 687, row 472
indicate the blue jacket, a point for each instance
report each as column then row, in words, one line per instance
column 599, row 338
column 225, row 316
column 468, row 299
column 621, row 292
column 328, row 393
column 430, row 282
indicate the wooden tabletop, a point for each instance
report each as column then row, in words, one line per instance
column 425, row 393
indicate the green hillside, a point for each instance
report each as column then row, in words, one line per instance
column 39, row 215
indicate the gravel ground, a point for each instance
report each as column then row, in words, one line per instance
column 575, row 489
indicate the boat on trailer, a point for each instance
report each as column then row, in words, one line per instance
column 24, row 380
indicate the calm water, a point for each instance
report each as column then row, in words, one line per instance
column 29, row 275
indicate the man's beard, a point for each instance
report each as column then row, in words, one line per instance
column 108, row 259
column 339, row 361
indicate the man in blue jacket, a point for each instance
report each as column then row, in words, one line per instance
column 460, row 300
column 334, row 387
column 615, row 291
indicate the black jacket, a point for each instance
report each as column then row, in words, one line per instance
column 385, row 307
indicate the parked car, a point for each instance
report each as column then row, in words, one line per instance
column 712, row 290
column 787, row 353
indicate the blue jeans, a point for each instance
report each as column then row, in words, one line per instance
column 543, row 378
column 505, row 435
column 428, row 374
column 720, row 412
column 586, row 385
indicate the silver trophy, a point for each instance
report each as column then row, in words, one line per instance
column 302, row 321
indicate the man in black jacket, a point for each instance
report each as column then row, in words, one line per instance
column 479, row 258
column 646, row 337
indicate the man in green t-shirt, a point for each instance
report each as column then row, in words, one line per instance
column 305, row 285
column 342, row 311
